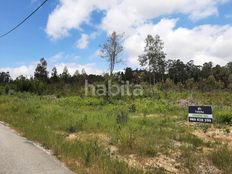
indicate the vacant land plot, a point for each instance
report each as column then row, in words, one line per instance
column 130, row 135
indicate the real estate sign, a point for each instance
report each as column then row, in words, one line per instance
column 202, row 114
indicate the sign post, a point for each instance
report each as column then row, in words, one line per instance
column 202, row 114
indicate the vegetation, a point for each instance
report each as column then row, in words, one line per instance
column 111, row 50
column 170, row 74
column 126, row 134
column 147, row 127
column 154, row 57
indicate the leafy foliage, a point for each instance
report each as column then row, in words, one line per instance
column 154, row 57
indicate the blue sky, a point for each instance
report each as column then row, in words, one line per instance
column 69, row 32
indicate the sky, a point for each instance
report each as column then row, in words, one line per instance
column 69, row 32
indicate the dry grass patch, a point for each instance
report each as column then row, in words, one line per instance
column 213, row 134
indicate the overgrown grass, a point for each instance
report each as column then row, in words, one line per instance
column 144, row 126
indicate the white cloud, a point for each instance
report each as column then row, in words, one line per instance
column 26, row 71
column 83, row 42
column 122, row 14
column 62, row 57
column 134, row 17
column 70, row 14
column 203, row 43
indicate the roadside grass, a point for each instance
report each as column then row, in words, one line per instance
column 128, row 122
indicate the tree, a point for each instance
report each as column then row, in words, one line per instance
column 77, row 73
column 230, row 81
column 65, row 74
column 83, row 72
column 5, row 77
column 207, row 70
column 220, row 73
column 111, row 50
column 41, row 72
column 193, row 71
column 54, row 75
column 154, row 57
column 229, row 67
column 177, row 71
column 128, row 74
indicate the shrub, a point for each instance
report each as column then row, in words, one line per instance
column 132, row 108
column 225, row 118
column 78, row 126
column 122, row 117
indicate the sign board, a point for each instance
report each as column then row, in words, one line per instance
column 202, row 114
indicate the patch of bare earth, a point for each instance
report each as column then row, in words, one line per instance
column 212, row 135
column 205, row 167
column 85, row 136
column 185, row 102
column 133, row 160
column 148, row 163
column 224, row 136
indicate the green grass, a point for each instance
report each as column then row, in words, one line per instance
column 145, row 126
column 222, row 158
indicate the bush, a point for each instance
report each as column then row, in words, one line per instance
column 23, row 84
column 225, row 118
column 132, row 108
column 122, row 117
column 76, row 127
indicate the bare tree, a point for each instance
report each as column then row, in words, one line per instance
column 111, row 50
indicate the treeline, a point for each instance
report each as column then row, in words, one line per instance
column 178, row 75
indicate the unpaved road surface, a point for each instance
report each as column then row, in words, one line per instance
column 20, row 156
